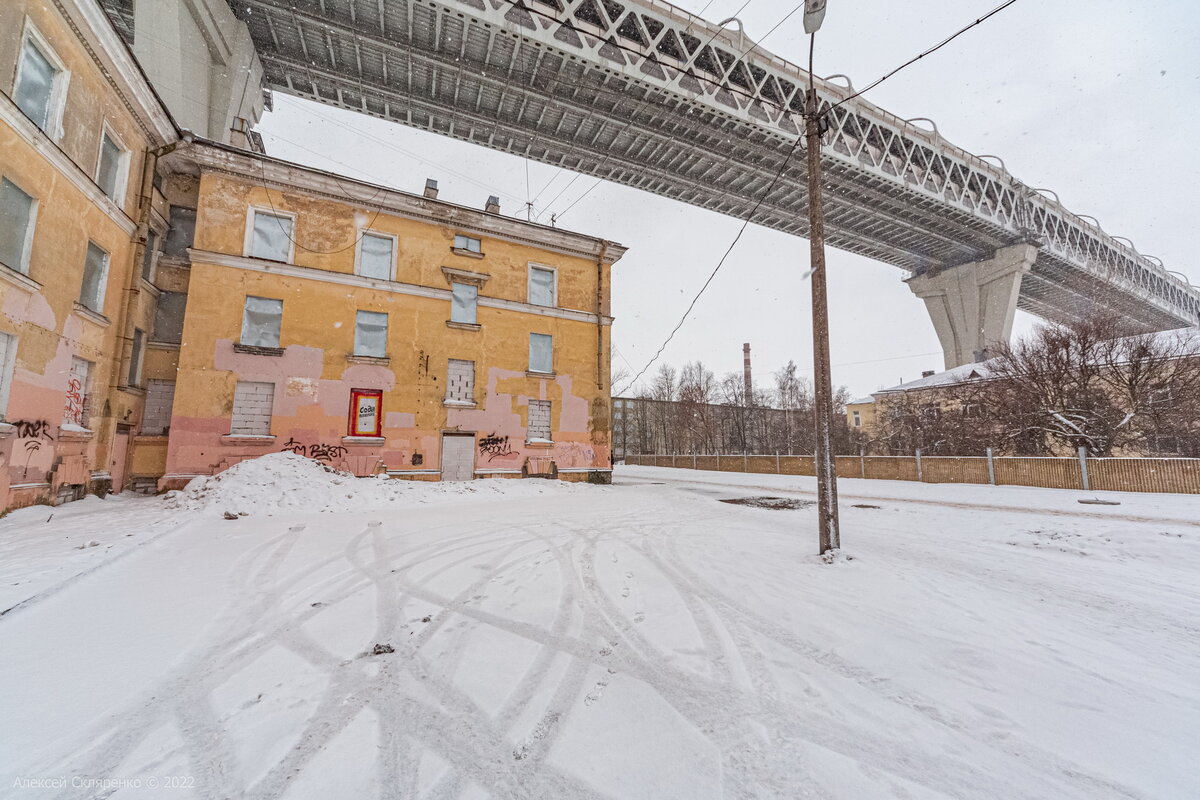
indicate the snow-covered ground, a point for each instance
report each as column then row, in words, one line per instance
column 545, row 640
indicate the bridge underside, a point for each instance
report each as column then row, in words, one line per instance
column 431, row 66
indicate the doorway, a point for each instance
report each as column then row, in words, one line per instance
column 458, row 457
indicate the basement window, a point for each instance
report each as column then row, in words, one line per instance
column 262, row 318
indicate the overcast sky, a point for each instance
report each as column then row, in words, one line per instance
column 1094, row 99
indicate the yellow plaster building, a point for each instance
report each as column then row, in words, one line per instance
column 79, row 133
column 379, row 331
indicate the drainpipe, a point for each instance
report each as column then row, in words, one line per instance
column 600, row 315
column 124, row 321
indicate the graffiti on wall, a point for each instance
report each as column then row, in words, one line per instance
column 75, row 400
column 32, row 432
column 494, row 446
column 316, row 450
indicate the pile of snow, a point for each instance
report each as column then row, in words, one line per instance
column 286, row 482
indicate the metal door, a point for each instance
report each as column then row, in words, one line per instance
column 458, row 458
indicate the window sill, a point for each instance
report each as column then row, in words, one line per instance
column 146, row 285
column 364, row 441
column 255, row 350
column 535, row 374
column 6, row 430
column 68, row 432
column 140, row 391
column 463, row 326
column 92, row 316
column 246, row 438
column 19, row 279
column 539, row 443
column 162, row 345
column 460, row 404
column 458, row 251
column 382, row 361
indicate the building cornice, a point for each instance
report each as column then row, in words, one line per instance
column 287, row 176
column 147, row 110
column 395, row 287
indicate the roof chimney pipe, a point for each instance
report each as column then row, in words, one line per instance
column 493, row 205
column 431, row 188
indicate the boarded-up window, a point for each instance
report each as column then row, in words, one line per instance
column 75, row 412
column 366, row 412
column 109, row 175
column 541, row 352
column 136, row 356
column 375, row 256
column 539, row 420
column 460, row 382
column 261, row 321
column 16, row 226
column 148, row 256
column 156, row 418
column 181, row 232
column 271, row 238
column 542, row 286
column 462, row 303
column 168, row 317
column 370, row 334
column 95, row 277
column 252, row 402
column 34, row 89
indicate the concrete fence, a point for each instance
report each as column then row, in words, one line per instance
column 1181, row 475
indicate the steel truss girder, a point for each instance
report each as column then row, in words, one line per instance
column 898, row 192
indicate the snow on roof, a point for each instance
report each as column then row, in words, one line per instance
column 962, row 374
column 979, row 370
column 861, row 401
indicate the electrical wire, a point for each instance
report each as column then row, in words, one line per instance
column 716, row 269
column 933, row 49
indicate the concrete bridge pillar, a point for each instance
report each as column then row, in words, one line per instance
column 972, row 305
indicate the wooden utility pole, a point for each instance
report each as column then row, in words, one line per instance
column 827, row 504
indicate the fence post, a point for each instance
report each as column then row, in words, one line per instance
column 776, row 462
column 718, row 460
column 920, row 475
column 693, row 460
column 1083, row 467
column 673, row 457
column 745, row 462
column 991, row 468
column 862, row 461
column 655, row 457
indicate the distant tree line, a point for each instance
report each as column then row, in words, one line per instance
column 690, row 410
column 1090, row 384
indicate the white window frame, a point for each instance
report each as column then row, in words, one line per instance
column 102, row 286
column 248, row 242
column 857, row 418
column 362, row 234
column 7, row 365
column 123, row 157
column 529, row 284
column 58, row 91
column 30, row 229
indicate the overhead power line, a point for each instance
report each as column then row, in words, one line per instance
column 753, row 210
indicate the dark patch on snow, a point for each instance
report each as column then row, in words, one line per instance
column 863, row 505
column 380, row 649
column 772, row 503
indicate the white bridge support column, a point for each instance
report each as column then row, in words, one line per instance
column 972, row 305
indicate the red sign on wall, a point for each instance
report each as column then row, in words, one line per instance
column 366, row 412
